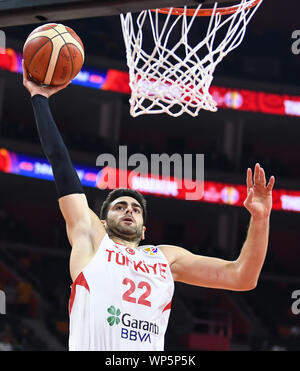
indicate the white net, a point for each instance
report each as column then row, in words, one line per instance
column 167, row 73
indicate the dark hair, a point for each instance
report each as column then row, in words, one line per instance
column 120, row 192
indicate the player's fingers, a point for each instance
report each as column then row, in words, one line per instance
column 262, row 177
column 249, row 178
column 66, row 84
column 271, row 183
column 256, row 174
column 25, row 72
column 24, row 68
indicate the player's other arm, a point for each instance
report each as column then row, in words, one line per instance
column 84, row 228
column 243, row 273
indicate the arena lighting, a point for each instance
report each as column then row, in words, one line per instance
column 96, row 177
column 226, row 98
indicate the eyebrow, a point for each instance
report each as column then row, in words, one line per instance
column 125, row 203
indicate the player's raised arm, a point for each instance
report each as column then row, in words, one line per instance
column 242, row 273
column 83, row 226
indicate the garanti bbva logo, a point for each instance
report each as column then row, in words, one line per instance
column 114, row 318
column 131, row 328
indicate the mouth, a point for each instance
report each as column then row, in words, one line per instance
column 128, row 219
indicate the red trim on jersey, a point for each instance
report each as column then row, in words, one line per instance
column 80, row 280
column 168, row 306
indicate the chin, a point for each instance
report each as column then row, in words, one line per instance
column 125, row 232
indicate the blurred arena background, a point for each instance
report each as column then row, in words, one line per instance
column 258, row 90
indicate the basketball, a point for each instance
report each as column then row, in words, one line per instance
column 53, row 54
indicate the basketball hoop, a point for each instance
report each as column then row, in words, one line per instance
column 208, row 12
column 172, row 75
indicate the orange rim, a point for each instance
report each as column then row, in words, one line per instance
column 207, row 12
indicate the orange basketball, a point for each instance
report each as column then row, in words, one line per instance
column 53, row 54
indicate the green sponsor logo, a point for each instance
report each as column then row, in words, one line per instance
column 114, row 318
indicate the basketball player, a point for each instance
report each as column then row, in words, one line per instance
column 122, row 291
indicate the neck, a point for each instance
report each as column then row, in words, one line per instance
column 120, row 241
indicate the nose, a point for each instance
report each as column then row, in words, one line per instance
column 128, row 209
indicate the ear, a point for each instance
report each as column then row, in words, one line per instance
column 143, row 232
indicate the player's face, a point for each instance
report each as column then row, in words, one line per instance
column 125, row 219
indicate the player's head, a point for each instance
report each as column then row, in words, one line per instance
column 124, row 214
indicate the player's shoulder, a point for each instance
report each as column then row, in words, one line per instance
column 171, row 252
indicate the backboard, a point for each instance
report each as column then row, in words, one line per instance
column 20, row 12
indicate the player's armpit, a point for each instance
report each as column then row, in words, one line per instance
column 84, row 229
column 203, row 271
column 83, row 250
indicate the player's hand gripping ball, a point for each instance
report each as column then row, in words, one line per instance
column 53, row 54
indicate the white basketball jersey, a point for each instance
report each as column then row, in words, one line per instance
column 121, row 300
